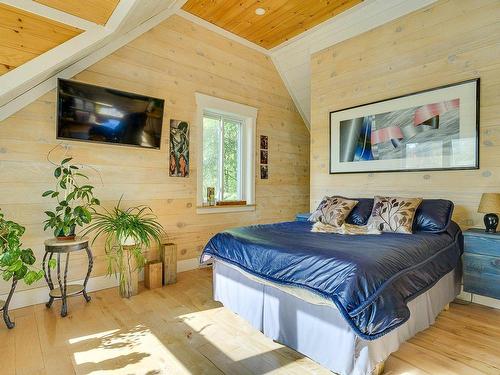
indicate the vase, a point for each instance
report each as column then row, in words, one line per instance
column 129, row 278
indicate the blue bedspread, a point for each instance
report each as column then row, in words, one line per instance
column 370, row 278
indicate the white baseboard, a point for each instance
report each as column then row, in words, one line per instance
column 35, row 296
column 481, row 300
column 188, row 264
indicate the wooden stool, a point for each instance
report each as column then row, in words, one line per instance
column 168, row 256
column 55, row 246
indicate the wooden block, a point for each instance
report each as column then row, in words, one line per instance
column 168, row 255
column 153, row 274
column 231, row 203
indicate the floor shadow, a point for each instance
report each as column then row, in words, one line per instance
column 165, row 341
column 114, row 363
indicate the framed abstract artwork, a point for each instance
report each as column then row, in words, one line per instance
column 179, row 149
column 436, row 129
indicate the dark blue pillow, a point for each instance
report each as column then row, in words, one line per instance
column 361, row 212
column 433, row 215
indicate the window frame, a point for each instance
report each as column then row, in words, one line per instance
column 248, row 117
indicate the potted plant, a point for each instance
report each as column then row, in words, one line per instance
column 74, row 201
column 16, row 262
column 128, row 233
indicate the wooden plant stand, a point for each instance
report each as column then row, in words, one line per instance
column 131, row 274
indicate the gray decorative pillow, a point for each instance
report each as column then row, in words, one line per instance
column 333, row 211
column 393, row 214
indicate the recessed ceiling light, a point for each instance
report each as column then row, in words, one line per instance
column 260, row 11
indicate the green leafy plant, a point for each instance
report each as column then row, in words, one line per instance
column 74, row 200
column 15, row 261
column 128, row 233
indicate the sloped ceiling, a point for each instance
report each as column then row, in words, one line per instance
column 97, row 11
column 293, row 59
column 45, row 39
column 281, row 21
column 24, row 36
column 75, row 38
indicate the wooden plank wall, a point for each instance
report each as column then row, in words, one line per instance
column 172, row 61
column 447, row 42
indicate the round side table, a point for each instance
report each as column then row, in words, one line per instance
column 57, row 247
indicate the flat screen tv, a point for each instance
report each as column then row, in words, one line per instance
column 98, row 114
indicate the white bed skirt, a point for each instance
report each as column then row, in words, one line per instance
column 319, row 331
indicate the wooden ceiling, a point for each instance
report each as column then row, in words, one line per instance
column 24, row 36
column 283, row 19
column 97, row 11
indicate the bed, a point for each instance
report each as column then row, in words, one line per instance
column 346, row 302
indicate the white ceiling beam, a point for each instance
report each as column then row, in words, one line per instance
column 68, row 70
column 32, row 72
column 123, row 10
column 22, row 79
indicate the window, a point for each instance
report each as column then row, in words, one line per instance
column 222, row 156
column 227, row 157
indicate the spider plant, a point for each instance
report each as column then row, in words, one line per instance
column 128, row 234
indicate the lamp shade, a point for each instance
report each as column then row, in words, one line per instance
column 490, row 203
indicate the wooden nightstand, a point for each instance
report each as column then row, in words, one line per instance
column 482, row 263
column 302, row 217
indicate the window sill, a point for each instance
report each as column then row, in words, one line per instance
column 201, row 210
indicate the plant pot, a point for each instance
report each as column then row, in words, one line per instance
column 129, row 279
column 127, row 241
column 71, row 235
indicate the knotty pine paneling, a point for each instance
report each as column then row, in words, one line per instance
column 283, row 19
column 24, row 36
column 447, row 42
column 172, row 61
column 97, row 11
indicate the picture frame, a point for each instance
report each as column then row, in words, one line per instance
column 264, row 157
column 264, row 172
column 434, row 129
column 179, row 148
column 264, row 142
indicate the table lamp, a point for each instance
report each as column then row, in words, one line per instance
column 490, row 205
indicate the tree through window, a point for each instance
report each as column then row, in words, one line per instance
column 222, row 161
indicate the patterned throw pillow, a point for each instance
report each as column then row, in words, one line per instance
column 333, row 211
column 394, row 214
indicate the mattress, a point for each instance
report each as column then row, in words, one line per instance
column 301, row 293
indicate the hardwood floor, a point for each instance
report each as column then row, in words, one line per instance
column 179, row 330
